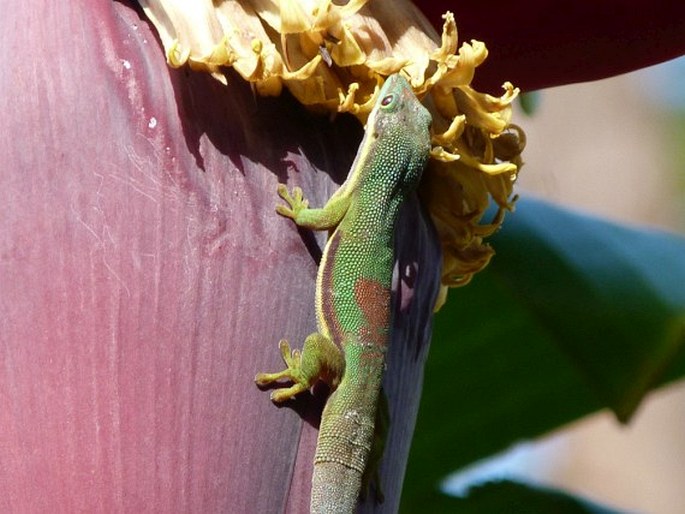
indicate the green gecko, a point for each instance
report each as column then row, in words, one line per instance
column 353, row 292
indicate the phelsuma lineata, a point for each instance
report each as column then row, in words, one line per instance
column 353, row 292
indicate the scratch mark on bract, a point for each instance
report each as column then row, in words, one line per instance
column 100, row 244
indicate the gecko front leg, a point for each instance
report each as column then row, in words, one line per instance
column 326, row 218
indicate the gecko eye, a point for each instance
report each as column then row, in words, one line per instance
column 387, row 100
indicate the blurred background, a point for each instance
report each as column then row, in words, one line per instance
column 612, row 148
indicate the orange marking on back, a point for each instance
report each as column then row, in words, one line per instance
column 373, row 300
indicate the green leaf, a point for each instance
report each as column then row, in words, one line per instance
column 610, row 297
column 573, row 315
column 530, row 102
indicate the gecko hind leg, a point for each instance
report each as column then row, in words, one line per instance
column 320, row 359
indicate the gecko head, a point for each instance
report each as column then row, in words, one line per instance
column 401, row 126
column 398, row 104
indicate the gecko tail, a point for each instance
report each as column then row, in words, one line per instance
column 346, row 434
column 335, row 489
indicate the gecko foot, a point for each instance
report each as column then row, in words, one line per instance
column 296, row 202
column 293, row 361
column 320, row 359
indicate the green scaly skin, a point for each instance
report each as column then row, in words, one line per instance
column 353, row 292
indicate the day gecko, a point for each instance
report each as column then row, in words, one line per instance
column 353, row 298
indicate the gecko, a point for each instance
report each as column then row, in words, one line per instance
column 353, row 292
